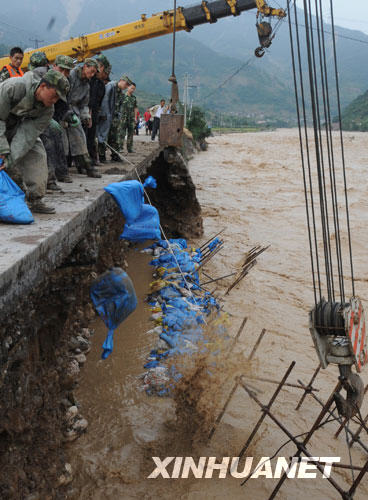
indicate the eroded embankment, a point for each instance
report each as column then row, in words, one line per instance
column 38, row 339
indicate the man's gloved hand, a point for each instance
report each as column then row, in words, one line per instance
column 55, row 126
column 5, row 162
column 74, row 121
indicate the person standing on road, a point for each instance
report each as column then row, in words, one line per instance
column 129, row 112
column 52, row 138
column 157, row 112
column 26, row 109
column 13, row 69
column 114, row 137
column 97, row 93
column 74, row 138
column 147, row 121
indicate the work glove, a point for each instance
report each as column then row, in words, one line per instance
column 74, row 121
column 55, row 126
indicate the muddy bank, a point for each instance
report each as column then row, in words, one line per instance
column 38, row 342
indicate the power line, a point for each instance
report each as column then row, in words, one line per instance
column 230, row 77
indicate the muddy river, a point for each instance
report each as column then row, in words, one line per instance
column 251, row 185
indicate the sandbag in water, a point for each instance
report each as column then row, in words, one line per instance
column 145, row 227
column 114, row 298
column 13, row 208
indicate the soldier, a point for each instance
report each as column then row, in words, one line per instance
column 52, row 138
column 114, row 138
column 96, row 95
column 75, row 144
column 129, row 112
column 38, row 60
column 26, row 108
column 13, row 69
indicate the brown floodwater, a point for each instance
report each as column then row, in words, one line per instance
column 250, row 184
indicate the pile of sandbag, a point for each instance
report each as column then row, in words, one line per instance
column 179, row 309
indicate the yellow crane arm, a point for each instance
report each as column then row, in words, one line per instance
column 148, row 27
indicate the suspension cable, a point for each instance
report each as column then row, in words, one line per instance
column 342, row 147
column 302, row 151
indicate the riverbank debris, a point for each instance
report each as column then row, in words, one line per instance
column 250, row 260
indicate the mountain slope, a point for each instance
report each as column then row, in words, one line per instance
column 210, row 53
column 355, row 116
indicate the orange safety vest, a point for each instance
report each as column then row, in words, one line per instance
column 14, row 72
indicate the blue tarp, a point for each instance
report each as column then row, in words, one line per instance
column 13, row 208
column 114, row 298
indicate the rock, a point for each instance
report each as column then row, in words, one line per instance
column 77, row 351
column 83, row 343
column 73, row 370
column 70, row 435
column 86, row 333
column 80, row 425
column 70, row 415
column 80, row 358
column 66, row 477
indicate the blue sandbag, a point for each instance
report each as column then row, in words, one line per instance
column 129, row 197
column 114, row 298
column 150, row 182
column 13, row 208
column 145, row 227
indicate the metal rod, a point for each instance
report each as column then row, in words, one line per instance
column 316, row 372
column 333, row 414
column 357, row 433
column 212, row 238
column 236, row 338
column 222, row 412
column 301, row 446
column 361, row 426
column 213, row 280
column 358, row 479
column 269, row 380
column 270, row 403
column 259, row 340
column 342, row 425
column 324, row 410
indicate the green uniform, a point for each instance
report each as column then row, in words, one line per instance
column 113, row 138
column 22, row 120
column 127, row 121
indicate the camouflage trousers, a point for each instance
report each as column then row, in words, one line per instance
column 113, row 138
column 30, row 172
column 126, row 129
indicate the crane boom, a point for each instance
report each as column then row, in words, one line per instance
column 149, row 27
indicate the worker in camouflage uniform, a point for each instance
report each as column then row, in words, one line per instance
column 74, row 138
column 38, row 60
column 52, row 138
column 13, row 69
column 129, row 111
column 96, row 95
column 26, row 109
column 114, row 138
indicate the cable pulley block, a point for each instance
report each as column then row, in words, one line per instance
column 338, row 333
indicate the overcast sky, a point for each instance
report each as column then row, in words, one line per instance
column 352, row 14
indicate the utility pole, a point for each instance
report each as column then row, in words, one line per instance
column 185, row 98
column 36, row 41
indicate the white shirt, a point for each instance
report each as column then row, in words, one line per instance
column 160, row 111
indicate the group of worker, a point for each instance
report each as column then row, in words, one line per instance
column 52, row 116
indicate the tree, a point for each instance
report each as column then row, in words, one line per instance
column 197, row 125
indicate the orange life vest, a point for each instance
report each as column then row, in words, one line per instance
column 14, row 72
